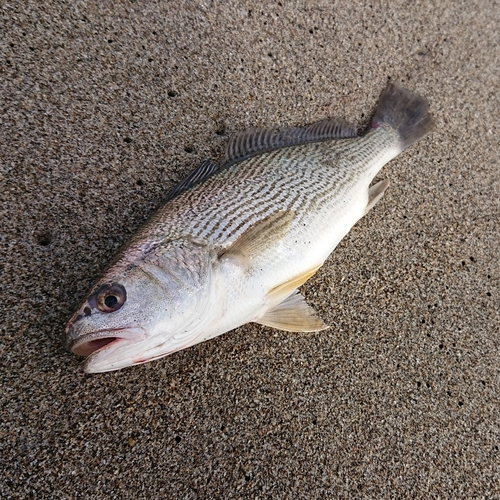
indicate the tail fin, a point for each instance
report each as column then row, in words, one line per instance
column 405, row 112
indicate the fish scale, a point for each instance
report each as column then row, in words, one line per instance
column 233, row 244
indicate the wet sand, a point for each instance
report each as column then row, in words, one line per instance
column 105, row 109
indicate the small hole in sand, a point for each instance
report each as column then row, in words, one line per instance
column 44, row 239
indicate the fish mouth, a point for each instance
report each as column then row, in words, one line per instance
column 104, row 340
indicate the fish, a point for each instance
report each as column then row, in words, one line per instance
column 234, row 241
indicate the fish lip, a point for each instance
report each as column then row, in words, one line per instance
column 99, row 360
column 116, row 334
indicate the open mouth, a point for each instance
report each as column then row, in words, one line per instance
column 88, row 347
column 96, row 341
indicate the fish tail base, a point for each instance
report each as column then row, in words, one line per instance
column 405, row 112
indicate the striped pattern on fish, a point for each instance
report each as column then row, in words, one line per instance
column 316, row 181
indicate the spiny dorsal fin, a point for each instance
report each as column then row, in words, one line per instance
column 257, row 141
column 293, row 315
column 259, row 237
column 199, row 174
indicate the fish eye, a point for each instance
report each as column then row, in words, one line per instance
column 111, row 298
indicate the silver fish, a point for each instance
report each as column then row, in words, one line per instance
column 232, row 244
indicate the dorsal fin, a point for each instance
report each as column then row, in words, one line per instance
column 199, row 174
column 257, row 141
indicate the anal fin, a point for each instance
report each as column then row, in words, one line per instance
column 293, row 315
column 376, row 192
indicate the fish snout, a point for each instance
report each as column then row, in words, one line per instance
column 71, row 332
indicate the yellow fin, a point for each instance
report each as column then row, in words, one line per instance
column 293, row 315
column 281, row 292
column 260, row 237
column 375, row 193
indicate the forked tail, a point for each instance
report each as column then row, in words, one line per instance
column 405, row 112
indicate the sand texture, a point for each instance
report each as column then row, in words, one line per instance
column 105, row 106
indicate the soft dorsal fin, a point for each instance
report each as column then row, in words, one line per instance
column 257, row 141
column 199, row 174
column 293, row 315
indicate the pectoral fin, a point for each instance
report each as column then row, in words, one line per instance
column 375, row 193
column 293, row 315
column 260, row 237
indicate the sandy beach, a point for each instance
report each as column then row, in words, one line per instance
column 105, row 107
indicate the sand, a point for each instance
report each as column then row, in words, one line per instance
column 105, row 108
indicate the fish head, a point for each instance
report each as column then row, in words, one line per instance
column 140, row 310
